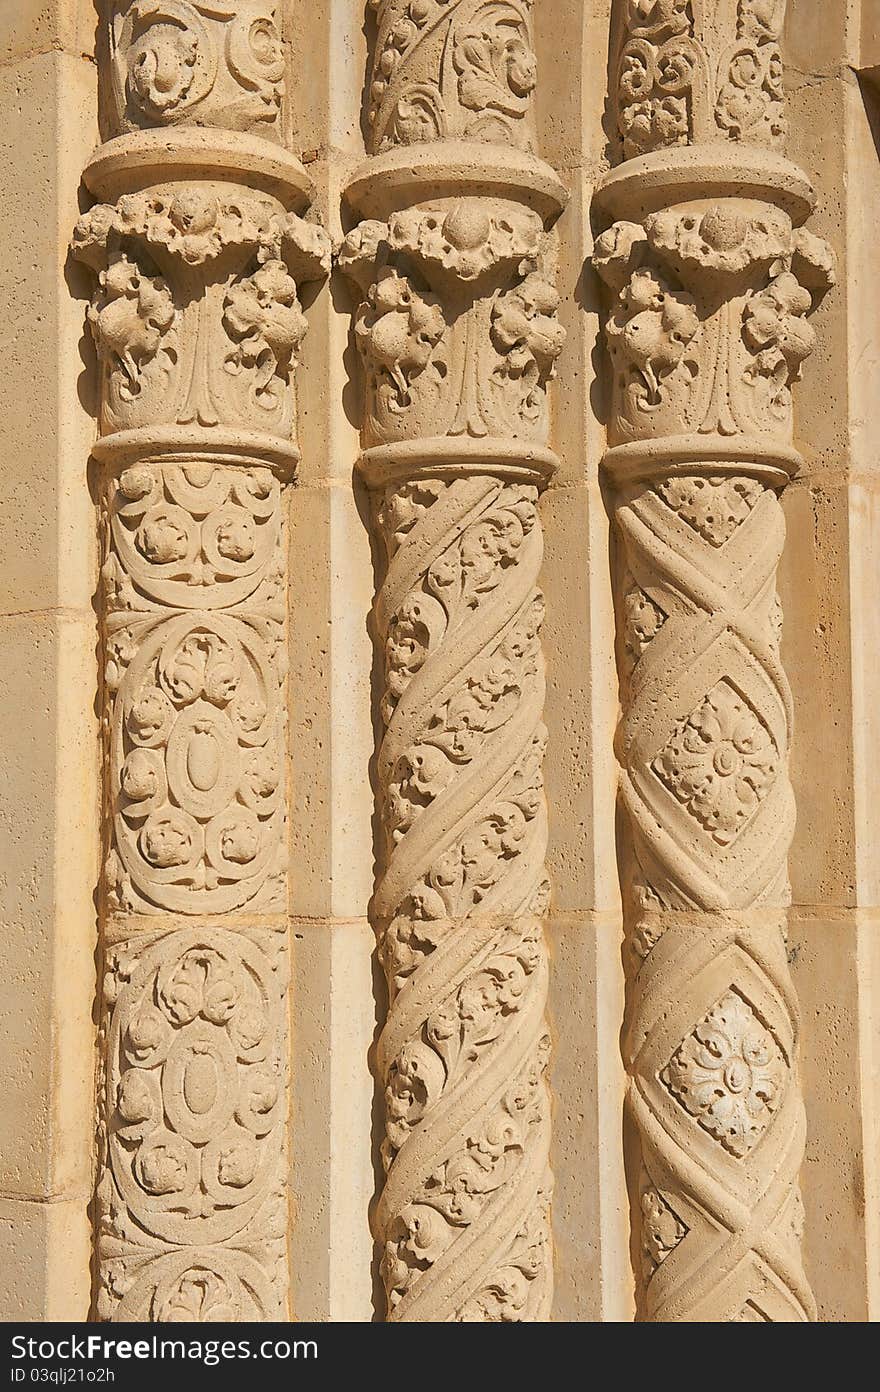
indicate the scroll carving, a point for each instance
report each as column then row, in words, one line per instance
column 452, row 70
column 197, row 326
column 707, row 329
column 455, row 324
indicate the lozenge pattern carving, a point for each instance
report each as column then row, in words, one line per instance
column 711, row 1037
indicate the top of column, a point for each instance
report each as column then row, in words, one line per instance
column 451, row 106
column 698, row 106
column 195, row 89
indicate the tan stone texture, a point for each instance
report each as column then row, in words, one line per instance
column 440, row 869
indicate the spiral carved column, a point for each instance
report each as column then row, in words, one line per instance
column 197, row 252
column 457, row 332
column 712, row 278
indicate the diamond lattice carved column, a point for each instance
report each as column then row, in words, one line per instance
column 198, row 252
column 712, row 277
column 457, row 332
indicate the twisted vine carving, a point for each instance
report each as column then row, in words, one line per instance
column 707, row 331
column 456, row 326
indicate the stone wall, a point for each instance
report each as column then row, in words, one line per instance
column 440, row 862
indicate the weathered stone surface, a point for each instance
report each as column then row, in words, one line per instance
column 417, row 418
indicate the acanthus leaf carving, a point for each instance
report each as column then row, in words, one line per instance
column 442, row 885
column 262, row 316
column 662, row 1229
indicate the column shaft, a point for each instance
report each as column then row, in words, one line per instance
column 459, row 339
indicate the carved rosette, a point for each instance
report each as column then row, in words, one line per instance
column 456, row 328
column 199, row 254
column 711, row 280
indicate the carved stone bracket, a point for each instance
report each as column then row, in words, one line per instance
column 457, row 331
column 198, row 257
column 712, row 279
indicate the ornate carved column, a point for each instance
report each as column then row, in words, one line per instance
column 712, row 279
column 458, row 337
column 198, row 255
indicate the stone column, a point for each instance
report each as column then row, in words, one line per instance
column 712, row 279
column 198, row 253
column 458, row 335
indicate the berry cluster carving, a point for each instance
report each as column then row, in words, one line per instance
column 196, row 315
column 457, row 327
column 708, row 328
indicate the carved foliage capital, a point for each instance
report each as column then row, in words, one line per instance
column 196, row 314
column 708, row 327
column 457, row 325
